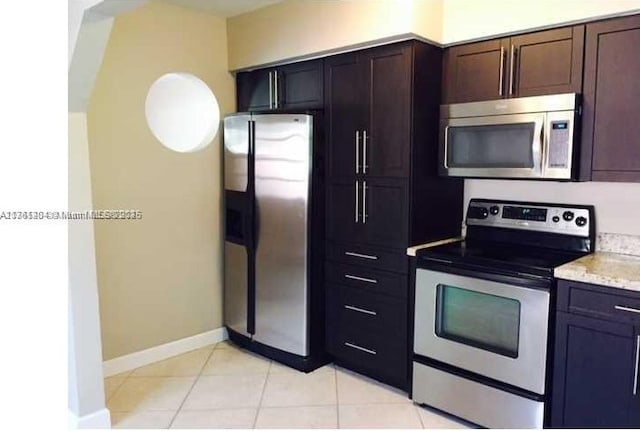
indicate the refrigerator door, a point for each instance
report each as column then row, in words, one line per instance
column 282, row 183
column 237, row 218
column 236, row 152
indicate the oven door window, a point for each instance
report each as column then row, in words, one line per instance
column 491, row 146
column 481, row 320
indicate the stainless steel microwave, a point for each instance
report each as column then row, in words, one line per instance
column 526, row 137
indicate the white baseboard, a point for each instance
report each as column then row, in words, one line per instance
column 100, row 419
column 163, row 351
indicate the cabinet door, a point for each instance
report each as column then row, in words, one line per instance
column 594, row 373
column 475, row 71
column 385, row 207
column 253, row 90
column 300, row 85
column 344, row 112
column 343, row 206
column 547, row 62
column 611, row 107
column 385, row 150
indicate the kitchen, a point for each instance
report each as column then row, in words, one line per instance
column 614, row 203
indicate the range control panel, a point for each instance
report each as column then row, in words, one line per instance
column 561, row 219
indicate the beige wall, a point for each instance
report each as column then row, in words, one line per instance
column 617, row 204
column 159, row 278
column 297, row 28
column 473, row 19
column 302, row 28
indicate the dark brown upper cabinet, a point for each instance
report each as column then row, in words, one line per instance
column 291, row 86
column 534, row 64
column 611, row 104
column 368, row 108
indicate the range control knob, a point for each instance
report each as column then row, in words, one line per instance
column 555, row 219
column 581, row 221
column 567, row 215
column 495, row 209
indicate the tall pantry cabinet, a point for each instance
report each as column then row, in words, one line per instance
column 382, row 195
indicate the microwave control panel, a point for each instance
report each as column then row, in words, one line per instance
column 559, row 137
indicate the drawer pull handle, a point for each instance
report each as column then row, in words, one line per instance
column 363, row 256
column 631, row 310
column 354, row 277
column 354, row 346
column 360, row 310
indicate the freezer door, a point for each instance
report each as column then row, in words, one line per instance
column 282, row 171
column 237, row 253
column 235, row 287
column 236, row 152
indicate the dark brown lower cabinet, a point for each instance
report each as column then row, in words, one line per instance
column 595, row 374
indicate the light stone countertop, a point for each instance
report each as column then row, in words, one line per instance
column 604, row 268
column 411, row 251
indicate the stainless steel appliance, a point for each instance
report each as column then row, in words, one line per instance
column 483, row 309
column 526, row 137
column 270, row 181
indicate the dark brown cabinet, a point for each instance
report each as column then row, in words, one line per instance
column 611, row 103
column 534, row 64
column 372, row 211
column 292, row 86
column 595, row 375
column 368, row 108
column 383, row 194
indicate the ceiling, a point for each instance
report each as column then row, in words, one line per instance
column 224, row 8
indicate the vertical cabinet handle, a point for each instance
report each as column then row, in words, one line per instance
column 357, row 151
column 270, row 90
column 276, row 89
column 512, row 74
column 364, row 202
column 635, row 374
column 501, row 85
column 357, row 201
column 364, row 152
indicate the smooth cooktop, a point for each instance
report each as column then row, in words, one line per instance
column 506, row 257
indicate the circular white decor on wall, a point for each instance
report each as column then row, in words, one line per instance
column 182, row 112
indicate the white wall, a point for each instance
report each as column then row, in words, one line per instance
column 87, row 387
column 617, row 205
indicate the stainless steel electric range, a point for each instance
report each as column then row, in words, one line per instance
column 484, row 310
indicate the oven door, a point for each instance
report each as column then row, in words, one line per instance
column 499, row 146
column 489, row 328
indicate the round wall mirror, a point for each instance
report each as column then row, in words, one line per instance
column 182, row 112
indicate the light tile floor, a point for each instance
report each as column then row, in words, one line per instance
column 223, row 386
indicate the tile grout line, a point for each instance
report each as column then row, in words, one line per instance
column 264, row 387
column 124, row 379
column 415, row 408
column 191, row 388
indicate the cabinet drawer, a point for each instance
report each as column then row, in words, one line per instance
column 598, row 301
column 372, row 257
column 371, row 280
column 383, row 357
column 369, row 312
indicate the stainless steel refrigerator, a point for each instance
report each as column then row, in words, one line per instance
column 269, row 185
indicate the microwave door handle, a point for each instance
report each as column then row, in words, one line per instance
column 446, row 145
column 539, row 152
